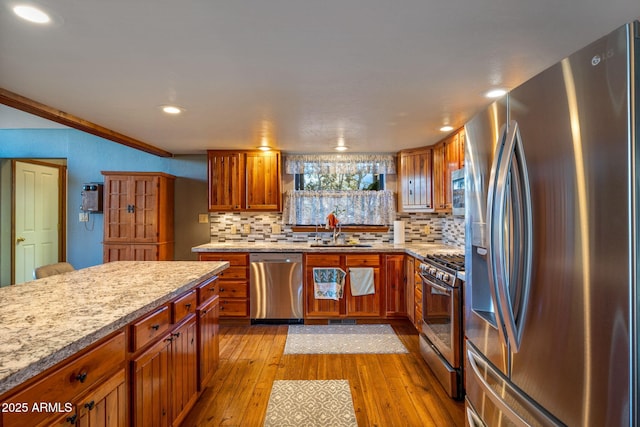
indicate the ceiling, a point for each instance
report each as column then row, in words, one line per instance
column 384, row 75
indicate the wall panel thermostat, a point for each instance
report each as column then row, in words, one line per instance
column 91, row 197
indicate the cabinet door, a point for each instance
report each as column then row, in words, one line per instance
column 106, row 406
column 319, row 307
column 144, row 216
column 364, row 305
column 263, row 181
column 226, row 186
column 184, row 364
column 151, row 385
column 409, row 267
column 452, row 162
column 208, row 327
column 117, row 209
column 439, row 202
column 394, row 285
column 415, row 181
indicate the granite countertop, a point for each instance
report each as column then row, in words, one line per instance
column 44, row 321
column 419, row 250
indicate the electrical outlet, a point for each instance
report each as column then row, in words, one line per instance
column 427, row 229
column 246, row 228
column 203, row 218
column 234, row 229
column 83, row 217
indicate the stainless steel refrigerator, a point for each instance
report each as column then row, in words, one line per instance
column 552, row 245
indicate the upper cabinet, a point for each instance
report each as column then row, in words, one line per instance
column 415, row 180
column 448, row 157
column 244, row 181
column 424, row 182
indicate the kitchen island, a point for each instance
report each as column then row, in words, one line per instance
column 48, row 322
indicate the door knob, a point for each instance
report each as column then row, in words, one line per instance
column 20, row 239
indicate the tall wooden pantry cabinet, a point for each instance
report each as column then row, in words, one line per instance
column 138, row 216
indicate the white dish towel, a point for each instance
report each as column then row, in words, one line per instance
column 361, row 281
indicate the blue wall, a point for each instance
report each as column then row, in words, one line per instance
column 87, row 156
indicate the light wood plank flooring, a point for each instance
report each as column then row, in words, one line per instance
column 387, row 389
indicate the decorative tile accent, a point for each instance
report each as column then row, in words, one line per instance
column 342, row 339
column 310, row 403
column 443, row 228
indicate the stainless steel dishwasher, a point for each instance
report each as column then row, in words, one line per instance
column 276, row 288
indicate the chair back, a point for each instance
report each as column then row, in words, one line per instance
column 52, row 270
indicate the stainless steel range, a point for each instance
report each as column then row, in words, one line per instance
column 442, row 335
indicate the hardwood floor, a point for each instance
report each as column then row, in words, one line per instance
column 387, row 389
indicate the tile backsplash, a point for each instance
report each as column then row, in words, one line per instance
column 268, row 227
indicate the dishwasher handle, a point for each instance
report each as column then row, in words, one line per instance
column 275, row 258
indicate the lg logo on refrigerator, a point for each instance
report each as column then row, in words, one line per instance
column 597, row 59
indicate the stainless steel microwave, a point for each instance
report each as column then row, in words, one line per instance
column 457, row 188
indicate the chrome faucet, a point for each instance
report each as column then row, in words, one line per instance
column 337, row 232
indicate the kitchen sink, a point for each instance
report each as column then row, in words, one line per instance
column 340, row 245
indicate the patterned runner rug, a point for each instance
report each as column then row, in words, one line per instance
column 310, row 403
column 342, row 339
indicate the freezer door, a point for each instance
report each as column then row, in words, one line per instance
column 482, row 135
column 574, row 355
column 493, row 401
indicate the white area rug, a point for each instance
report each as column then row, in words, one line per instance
column 310, row 403
column 342, row 339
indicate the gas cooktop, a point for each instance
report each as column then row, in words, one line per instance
column 453, row 261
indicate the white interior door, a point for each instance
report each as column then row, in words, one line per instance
column 36, row 218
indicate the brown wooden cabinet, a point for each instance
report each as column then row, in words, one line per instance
column 106, row 405
column 417, row 293
column 409, row 269
column 138, row 216
column 415, row 186
column 208, row 341
column 395, row 285
column 184, row 369
column 233, row 283
column 244, row 181
column 349, row 305
column 70, row 384
column 448, row 155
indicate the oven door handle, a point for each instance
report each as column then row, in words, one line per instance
column 439, row 287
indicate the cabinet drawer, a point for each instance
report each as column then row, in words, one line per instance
column 184, row 306
column 208, row 289
column 233, row 259
column 232, row 290
column 150, row 327
column 362, row 260
column 233, row 307
column 234, row 273
column 323, row 260
column 67, row 383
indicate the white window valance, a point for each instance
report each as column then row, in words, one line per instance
column 351, row 207
column 340, row 163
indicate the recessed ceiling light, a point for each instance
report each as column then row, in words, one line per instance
column 495, row 93
column 264, row 148
column 172, row 109
column 446, row 128
column 341, row 148
column 31, row 14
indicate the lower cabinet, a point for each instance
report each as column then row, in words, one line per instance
column 151, row 385
column 165, row 377
column 395, row 285
column 349, row 306
column 106, row 405
column 233, row 284
column 208, row 339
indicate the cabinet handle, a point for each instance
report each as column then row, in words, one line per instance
column 221, row 289
column 213, row 289
column 169, row 339
column 155, row 327
column 90, row 405
column 176, row 335
column 72, row 419
column 188, row 306
column 81, row 377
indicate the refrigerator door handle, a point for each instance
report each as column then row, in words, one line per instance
column 526, row 414
column 513, row 168
column 491, row 213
